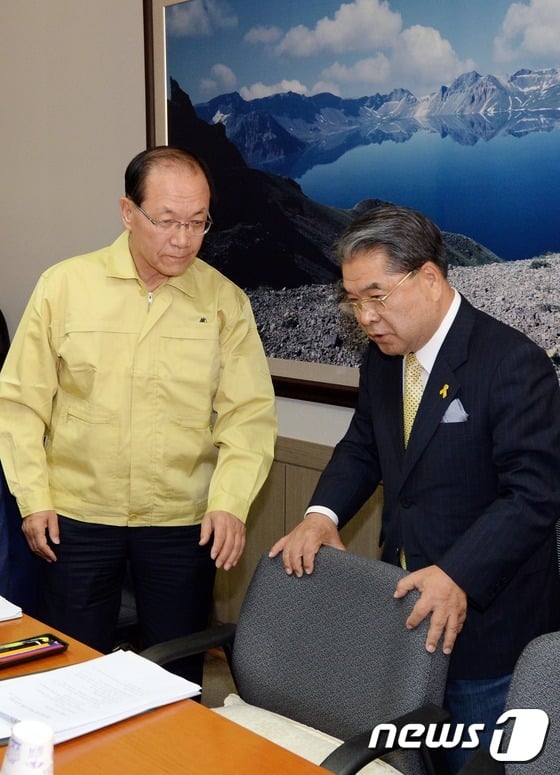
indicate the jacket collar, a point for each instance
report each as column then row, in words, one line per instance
column 120, row 264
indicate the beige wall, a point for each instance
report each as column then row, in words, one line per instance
column 71, row 117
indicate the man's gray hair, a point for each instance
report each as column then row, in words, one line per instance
column 409, row 239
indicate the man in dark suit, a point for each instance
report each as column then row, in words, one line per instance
column 472, row 491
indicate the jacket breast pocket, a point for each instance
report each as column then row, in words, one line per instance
column 189, row 361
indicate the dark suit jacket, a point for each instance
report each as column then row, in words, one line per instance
column 478, row 498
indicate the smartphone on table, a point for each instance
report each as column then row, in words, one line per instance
column 34, row 647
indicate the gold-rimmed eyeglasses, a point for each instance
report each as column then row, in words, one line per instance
column 195, row 226
column 377, row 303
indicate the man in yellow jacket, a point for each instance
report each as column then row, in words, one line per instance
column 136, row 394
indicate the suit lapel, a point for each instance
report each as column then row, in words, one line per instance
column 442, row 386
column 386, row 397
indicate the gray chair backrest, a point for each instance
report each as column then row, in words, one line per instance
column 331, row 649
column 536, row 684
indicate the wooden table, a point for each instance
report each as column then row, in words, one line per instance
column 184, row 738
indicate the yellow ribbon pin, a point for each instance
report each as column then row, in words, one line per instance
column 443, row 391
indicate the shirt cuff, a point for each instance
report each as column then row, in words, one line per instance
column 322, row 510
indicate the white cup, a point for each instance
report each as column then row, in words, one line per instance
column 30, row 750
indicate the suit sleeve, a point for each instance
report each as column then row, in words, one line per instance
column 353, row 472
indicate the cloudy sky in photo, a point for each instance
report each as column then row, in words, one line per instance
column 354, row 48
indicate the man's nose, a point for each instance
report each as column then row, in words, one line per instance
column 365, row 313
column 181, row 234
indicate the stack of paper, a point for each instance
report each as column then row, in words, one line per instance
column 8, row 610
column 80, row 698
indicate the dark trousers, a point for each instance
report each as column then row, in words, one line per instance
column 173, row 580
column 475, row 702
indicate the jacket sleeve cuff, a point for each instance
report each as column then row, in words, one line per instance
column 31, row 503
column 223, row 501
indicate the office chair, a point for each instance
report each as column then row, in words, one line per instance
column 331, row 651
column 535, row 684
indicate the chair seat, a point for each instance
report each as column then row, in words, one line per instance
column 307, row 742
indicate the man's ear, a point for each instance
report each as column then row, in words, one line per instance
column 433, row 276
column 127, row 207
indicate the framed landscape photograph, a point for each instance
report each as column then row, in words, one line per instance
column 310, row 113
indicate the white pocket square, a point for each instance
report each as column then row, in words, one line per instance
column 455, row 412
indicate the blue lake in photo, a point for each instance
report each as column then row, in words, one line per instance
column 504, row 193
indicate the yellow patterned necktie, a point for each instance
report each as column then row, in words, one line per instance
column 413, row 389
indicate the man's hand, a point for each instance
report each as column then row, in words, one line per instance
column 36, row 528
column 443, row 599
column 301, row 545
column 229, row 537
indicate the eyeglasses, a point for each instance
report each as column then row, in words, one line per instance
column 196, row 226
column 376, row 303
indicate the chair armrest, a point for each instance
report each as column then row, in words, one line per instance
column 355, row 753
column 221, row 635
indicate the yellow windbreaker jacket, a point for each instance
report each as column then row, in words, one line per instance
column 124, row 407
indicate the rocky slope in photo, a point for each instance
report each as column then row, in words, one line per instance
column 304, row 323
